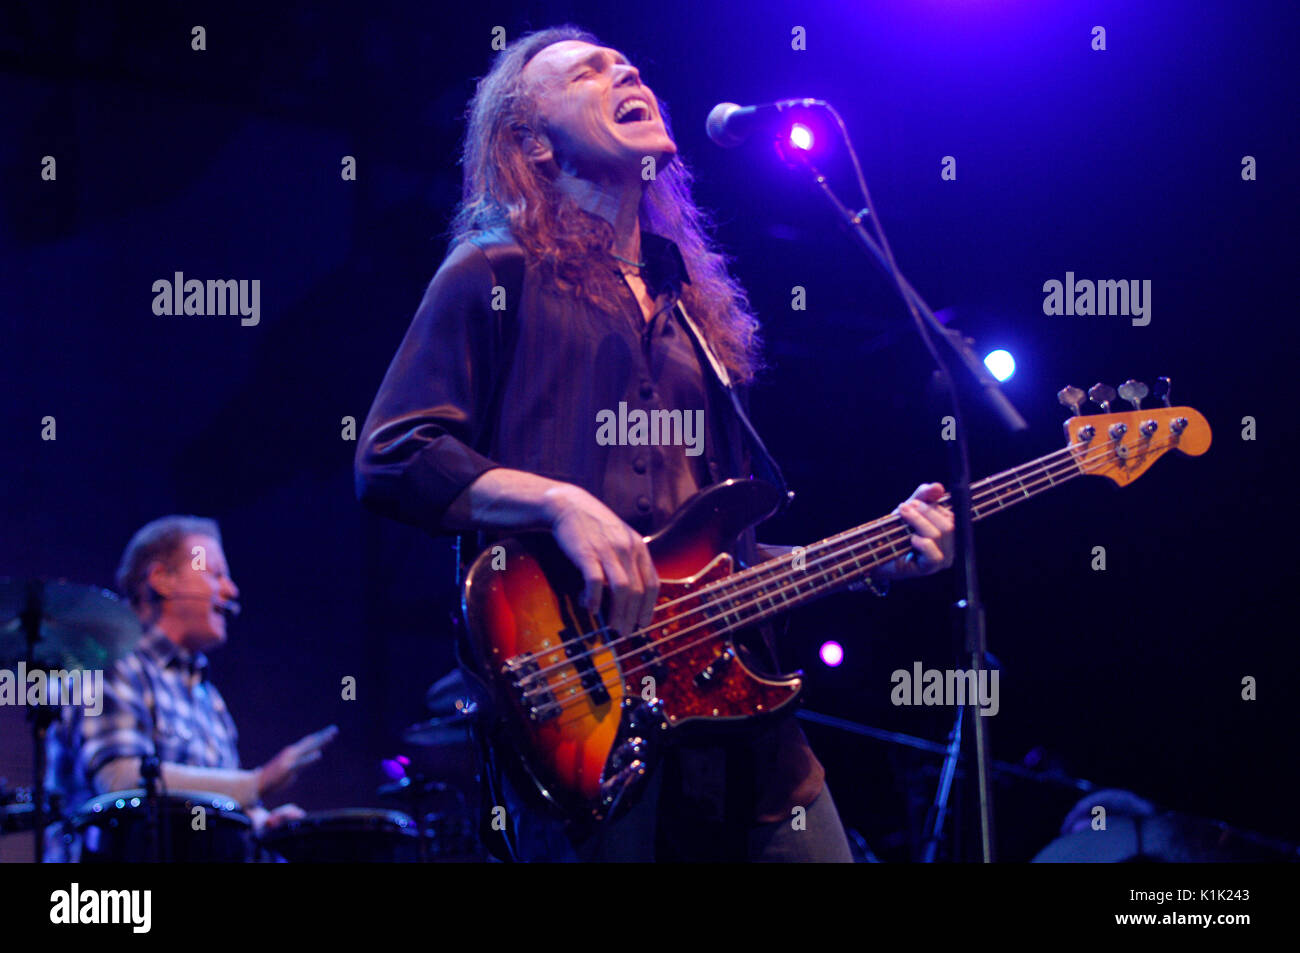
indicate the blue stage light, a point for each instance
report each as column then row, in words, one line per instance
column 1000, row 364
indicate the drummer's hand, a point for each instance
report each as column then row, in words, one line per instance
column 283, row 814
column 264, row 820
column 281, row 770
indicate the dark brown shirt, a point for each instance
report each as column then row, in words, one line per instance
column 472, row 388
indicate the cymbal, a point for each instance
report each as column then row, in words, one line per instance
column 18, row 810
column 412, row 787
column 436, row 732
column 18, row 818
column 80, row 627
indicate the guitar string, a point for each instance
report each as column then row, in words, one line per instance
column 981, row 491
column 1022, row 491
column 775, row 573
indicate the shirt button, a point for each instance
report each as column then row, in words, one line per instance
column 643, row 504
column 639, row 464
column 647, row 390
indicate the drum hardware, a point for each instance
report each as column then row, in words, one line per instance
column 452, row 837
column 449, row 696
column 417, row 793
column 1169, row 837
column 441, row 731
column 59, row 626
column 18, row 810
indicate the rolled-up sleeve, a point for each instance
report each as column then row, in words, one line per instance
column 417, row 448
column 120, row 730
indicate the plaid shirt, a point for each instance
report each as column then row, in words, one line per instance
column 159, row 692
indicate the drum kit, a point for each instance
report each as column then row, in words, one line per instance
column 66, row 627
column 127, row 827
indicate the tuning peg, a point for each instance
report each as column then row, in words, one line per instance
column 1072, row 397
column 1102, row 395
column 1133, row 392
column 1161, row 390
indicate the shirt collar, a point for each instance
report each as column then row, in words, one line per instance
column 167, row 654
column 665, row 269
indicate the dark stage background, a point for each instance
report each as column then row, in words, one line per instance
column 1123, row 163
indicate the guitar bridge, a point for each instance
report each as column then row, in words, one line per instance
column 540, row 706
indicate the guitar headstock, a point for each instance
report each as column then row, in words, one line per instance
column 1122, row 446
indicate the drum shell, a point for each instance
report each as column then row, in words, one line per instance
column 114, row 828
column 452, row 837
column 351, row 835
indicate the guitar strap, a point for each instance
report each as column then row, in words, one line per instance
column 764, row 461
column 739, row 766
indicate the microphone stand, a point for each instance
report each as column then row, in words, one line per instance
column 150, row 771
column 150, row 776
column 939, row 810
column 1001, row 769
column 928, row 327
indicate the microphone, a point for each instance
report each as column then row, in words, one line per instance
column 228, row 609
column 729, row 124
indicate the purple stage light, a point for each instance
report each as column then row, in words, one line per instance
column 832, row 653
column 801, row 137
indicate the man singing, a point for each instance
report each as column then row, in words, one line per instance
column 577, row 209
column 159, row 698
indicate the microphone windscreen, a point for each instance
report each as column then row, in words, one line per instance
column 716, row 125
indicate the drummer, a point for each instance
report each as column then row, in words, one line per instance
column 160, row 698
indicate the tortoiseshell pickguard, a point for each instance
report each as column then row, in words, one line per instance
column 686, row 650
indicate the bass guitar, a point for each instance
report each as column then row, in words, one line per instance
column 586, row 708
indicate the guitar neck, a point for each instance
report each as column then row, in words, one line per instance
column 810, row 572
